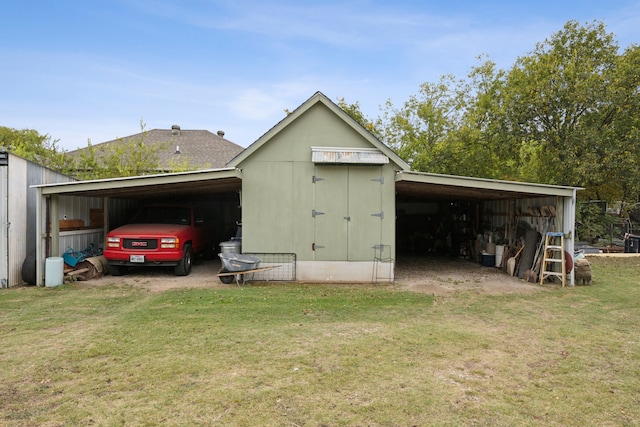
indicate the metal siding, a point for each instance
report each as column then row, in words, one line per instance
column 18, row 214
column 4, row 218
column 19, row 218
column 71, row 207
column 81, row 240
column 80, row 208
column 121, row 211
column 499, row 212
column 13, row 239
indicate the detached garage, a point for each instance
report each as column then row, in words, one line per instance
column 320, row 187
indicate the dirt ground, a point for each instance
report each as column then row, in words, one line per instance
column 436, row 276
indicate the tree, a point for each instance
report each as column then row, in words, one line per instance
column 356, row 113
column 119, row 159
column 558, row 104
column 125, row 157
column 423, row 122
column 471, row 147
column 30, row 145
column 619, row 131
column 567, row 113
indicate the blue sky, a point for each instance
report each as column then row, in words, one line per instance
column 93, row 70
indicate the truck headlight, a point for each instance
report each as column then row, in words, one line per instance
column 169, row 243
column 113, row 242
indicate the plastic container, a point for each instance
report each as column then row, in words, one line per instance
column 53, row 271
column 488, row 260
column 491, row 248
column 231, row 247
column 499, row 254
column 72, row 257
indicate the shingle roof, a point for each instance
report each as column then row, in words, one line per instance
column 200, row 148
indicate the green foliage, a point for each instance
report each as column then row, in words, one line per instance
column 555, row 99
column 422, row 123
column 593, row 222
column 125, row 157
column 567, row 113
column 356, row 113
column 30, row 145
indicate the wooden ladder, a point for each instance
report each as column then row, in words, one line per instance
column 554, row 254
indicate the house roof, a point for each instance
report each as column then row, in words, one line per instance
column 319, row 97
column 199, row 148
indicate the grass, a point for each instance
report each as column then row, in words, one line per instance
column 316, row 355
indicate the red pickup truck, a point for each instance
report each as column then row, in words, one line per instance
column 159, row 235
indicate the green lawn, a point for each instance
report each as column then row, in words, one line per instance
column 312, row 355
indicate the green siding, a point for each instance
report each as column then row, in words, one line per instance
column 279, row 194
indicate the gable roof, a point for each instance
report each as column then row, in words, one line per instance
column 200, row 148
column 319, row 97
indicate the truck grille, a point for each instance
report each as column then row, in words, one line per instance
column 141, row 244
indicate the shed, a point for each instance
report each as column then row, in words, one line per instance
column 18, row 213
column 320, row 186
column 322, row 189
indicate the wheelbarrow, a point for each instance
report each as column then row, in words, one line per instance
column 235, row 266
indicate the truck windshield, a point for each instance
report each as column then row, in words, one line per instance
column 163, row 215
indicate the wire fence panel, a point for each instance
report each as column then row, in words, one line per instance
column 284, row 267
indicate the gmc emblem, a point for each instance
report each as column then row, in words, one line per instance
column 139, row 244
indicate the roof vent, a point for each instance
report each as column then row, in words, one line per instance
column 221, row 133
column 175, row 130
column 177, row 149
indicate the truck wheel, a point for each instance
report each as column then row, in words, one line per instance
column 227, row 280
column 184, row 267
column 116, row 270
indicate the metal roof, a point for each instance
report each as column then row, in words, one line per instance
column 153, row 186
column 450, row 187
column 408, row 183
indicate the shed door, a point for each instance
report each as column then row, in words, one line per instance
column 348, row 212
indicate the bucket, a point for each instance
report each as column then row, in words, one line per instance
column 231, row 247
column 488, row 260
column 53, row 271
column 499, row 253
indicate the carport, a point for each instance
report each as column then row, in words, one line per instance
column 114, row 198
column 471, row 212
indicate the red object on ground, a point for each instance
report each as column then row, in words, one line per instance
column 568, row 260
